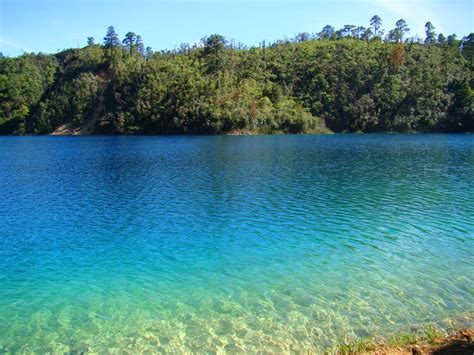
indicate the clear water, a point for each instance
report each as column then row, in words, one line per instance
column 231, row 243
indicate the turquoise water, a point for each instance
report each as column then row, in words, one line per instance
column 232, row 243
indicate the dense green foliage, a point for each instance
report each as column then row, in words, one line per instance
column 347, row 80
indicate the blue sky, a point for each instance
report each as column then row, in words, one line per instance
column 52, row 25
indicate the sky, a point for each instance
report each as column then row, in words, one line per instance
column 49, row 26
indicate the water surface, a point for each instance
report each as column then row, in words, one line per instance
column 232, row 243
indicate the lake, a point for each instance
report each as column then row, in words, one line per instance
column 246, row 243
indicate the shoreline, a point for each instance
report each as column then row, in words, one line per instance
column 232, row 133
column 431, row 341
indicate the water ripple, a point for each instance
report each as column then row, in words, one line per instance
column 285, row 243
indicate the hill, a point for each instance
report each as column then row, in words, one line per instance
column 344, row 81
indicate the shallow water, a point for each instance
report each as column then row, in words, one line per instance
column 232, row 243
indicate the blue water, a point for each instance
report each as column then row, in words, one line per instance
column 252, row 243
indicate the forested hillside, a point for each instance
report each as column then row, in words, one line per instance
column 348, row 80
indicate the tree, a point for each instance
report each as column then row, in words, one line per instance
column 461, row 113
column 90, row 41
column 452, row 40
column 430, row 33
column 441, row 39
column 214, row 43
column 327, row 32
column 393, row 35
column 366, row 33
column 148, row 52
column 401, row 29
column 376, row 24
column 468, row 49
column 111, row 39
column 130, row 41
column 302, row 37
column 214, row 46
column 362, row 32
column 140, row 45
column 348, row 31
column 397, row 56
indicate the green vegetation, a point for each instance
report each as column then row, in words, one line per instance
column 431, row 334
column 400, row 340
column 428, row 338
column 349, row 80
column 356, row 346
